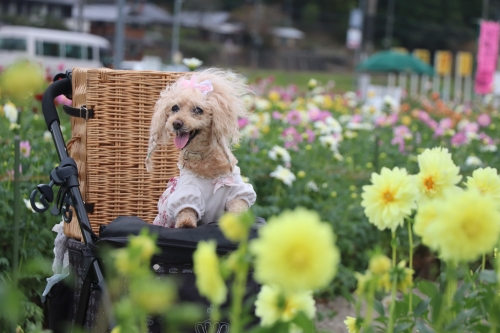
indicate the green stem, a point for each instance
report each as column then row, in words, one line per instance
column 493, row 327
column 390, row 329
column 451, row 287
column 483, row 263
column 214, row 317
column 238, row 289
column 358, row 305
column 393, row 245
column 369, row 306
column 410, row 238
column 17, row 199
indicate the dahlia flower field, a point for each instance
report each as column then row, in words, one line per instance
column 394, row 207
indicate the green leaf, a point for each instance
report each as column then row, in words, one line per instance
column 303, row 322
column 421, row 308
column 488, row 276
column 428, row 288
column 460, row 319
column 422, row 327
column 480, row 328
column 461, row 291
column 377, row 305
column 436, row 305
column 402, row 327
column 401, row 309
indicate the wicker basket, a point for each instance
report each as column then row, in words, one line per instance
column 110, row 148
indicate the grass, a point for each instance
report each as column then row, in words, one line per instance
column 344, row 81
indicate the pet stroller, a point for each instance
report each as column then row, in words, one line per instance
column 105, row 193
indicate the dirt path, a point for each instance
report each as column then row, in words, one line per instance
column 334, row 313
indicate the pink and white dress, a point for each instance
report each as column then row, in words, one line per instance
column 207, row 197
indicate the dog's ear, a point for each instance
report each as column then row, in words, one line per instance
column 224, row 122
column 158, row 134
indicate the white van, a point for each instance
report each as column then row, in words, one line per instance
column 56, row 50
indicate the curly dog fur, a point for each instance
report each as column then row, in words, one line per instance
column 210, row 119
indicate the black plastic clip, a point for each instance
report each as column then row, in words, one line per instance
column 60, row 176
column 81, row 112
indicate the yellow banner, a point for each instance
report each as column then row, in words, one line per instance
column 443, row 61
column 423, row 55
column 464, row 64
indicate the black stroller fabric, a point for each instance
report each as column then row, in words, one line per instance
column 177, row 245
column 59, row 306
column 175, row 259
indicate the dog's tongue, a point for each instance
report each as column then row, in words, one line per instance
column 181, row 140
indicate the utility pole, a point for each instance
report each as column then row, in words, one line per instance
column 80, row 16
column 175, row 31
column 255, row 33
column 389, row 24
column 485, row 9
column 289, row 11
column 371, row 13
column 119, row 35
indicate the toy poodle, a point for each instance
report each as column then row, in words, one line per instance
column 201, row 110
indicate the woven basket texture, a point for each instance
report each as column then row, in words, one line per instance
column 110, row 149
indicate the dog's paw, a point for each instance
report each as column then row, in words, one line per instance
column 186, row 219
column 237, row 206
column 185, row 223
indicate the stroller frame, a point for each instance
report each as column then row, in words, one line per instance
column 66, row 176
column 176, row 245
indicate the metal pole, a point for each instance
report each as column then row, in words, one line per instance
column 371, row 13
column 80, row 16
column 175, row 30
column 485, row 9
column 119, row 35
column 255, row 33
column 389, row 24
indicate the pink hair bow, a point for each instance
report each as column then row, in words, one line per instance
column 225, row 181
column 204, row 86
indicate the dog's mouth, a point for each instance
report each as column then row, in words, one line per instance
column 182, row 139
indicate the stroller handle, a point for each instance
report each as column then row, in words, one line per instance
column 59, row 87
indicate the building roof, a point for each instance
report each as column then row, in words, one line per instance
column 203, row 19
column 58, row 2
column 144, row 13
column 288, row 32
column 226, row 28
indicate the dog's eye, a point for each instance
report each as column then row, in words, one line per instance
column 198, row 110
column 175, row 108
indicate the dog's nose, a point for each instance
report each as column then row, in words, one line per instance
column 177, row 124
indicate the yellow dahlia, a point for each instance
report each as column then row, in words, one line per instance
column 233, row 227
column 487, row 182
column 363, row 282
column 154, row 296
column 390, row 198
column 403, row 275
column 426, row 215
column 295, row 251
column 207, row 270
column 351, row 324
column 467, row 225
column 379, row 264
column 273, row 305
column 438, row 173
column 144, row 245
